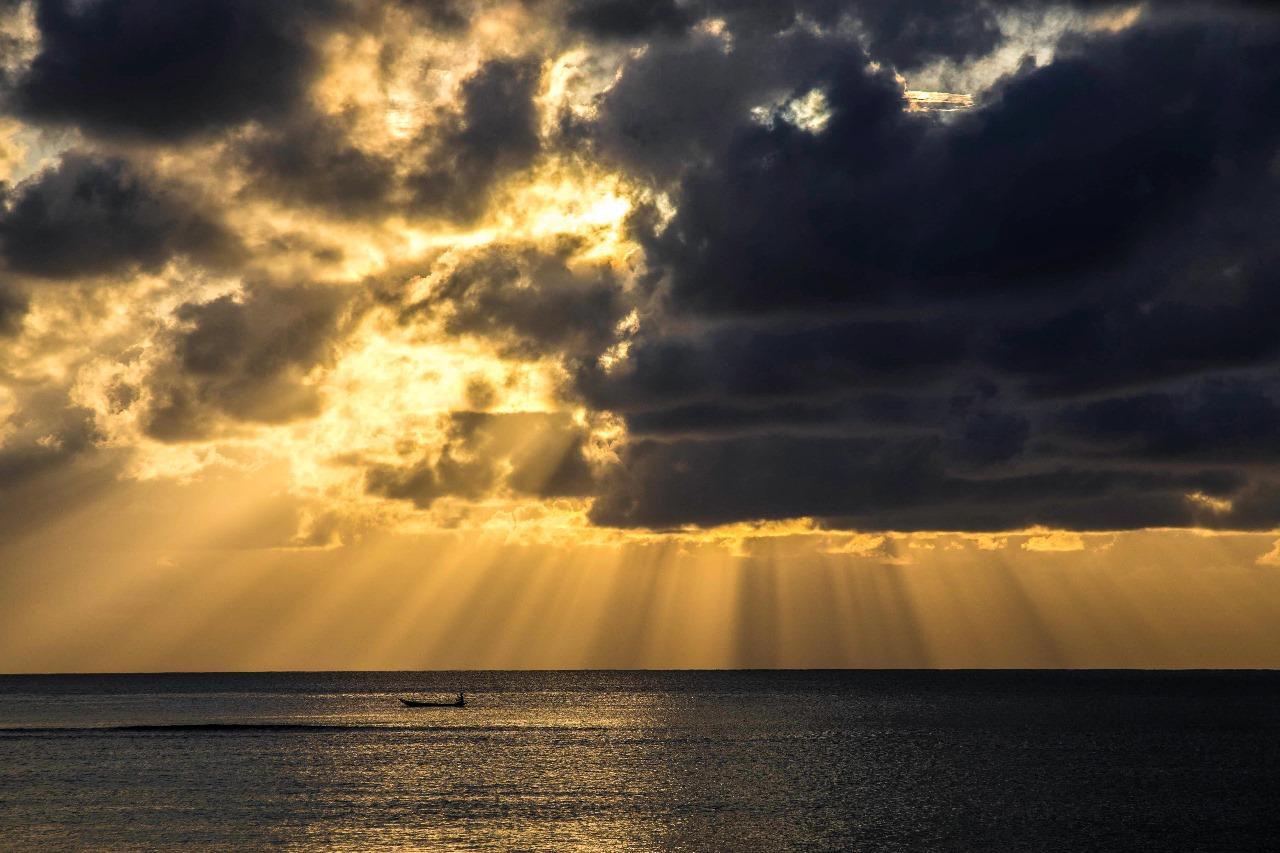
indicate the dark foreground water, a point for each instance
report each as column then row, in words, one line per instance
column 643, row 761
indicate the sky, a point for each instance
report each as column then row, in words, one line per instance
column 426, row 334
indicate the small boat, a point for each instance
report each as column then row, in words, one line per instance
column 460, row 702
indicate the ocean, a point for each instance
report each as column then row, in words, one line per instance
column 642, row 761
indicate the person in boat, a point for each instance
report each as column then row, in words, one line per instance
column 461, row 701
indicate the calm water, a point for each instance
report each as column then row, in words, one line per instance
column 643, row 761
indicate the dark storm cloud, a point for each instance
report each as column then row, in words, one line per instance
column 1057, row 308
column 1059, row 177
column 528, row 301
column 905, row 34
column 862, row 414
column 914, row 33
column 164, row 70
column 1195, row 298
column 1211, row 421
column 627, row 18
column 306, row 159
column 1096, row 348
column 652, row 18
column 532, row 453
column 494, row 134
column 311, row 160
column 880, row 484
column 763, row 363
column 244, row 360
column 97, row 216
column 45, row 432
column 13, row 308
column 681, row 103
column 446, row 15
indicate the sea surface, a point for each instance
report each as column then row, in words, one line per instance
column 639, row 761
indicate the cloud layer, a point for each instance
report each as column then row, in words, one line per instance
column 668, row 263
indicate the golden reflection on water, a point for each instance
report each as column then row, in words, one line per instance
column 517, row 773
column 636, row 761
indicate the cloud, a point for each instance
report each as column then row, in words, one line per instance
column 905, row 34
column 43, row 434
column 1056, row 541
column 90, row 216
column 680, row 103
column 158, row 70
column 762, row 363
column 627, row 18
column 448, row 15
column 886, row 484
column 529, row 453
column 311, row 160
column 527, row 300
column 243, row 360
column 494, row 134
column 914, row 33
column 1051, row 309
column 1053, row 182
column 1218, row 420
column 1052, row 306
column 13, row 307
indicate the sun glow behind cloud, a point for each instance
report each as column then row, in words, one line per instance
column 391, row 386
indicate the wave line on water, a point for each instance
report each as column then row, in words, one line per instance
column 318, row 728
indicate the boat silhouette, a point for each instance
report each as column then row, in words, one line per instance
column 460, row 702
